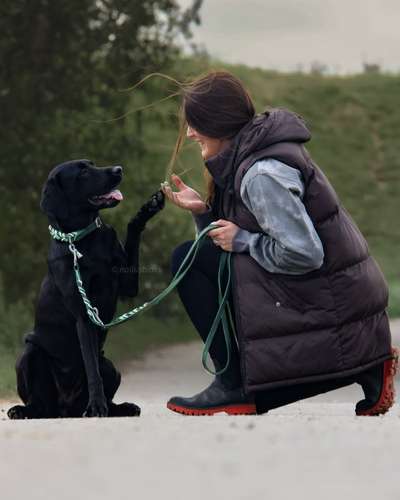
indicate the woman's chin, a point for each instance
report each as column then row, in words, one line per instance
column 205, row 154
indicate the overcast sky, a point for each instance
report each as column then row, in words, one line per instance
column 281, row 34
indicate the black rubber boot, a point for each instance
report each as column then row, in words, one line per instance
column 378, row 386
column 224, row 394
column 216, row 398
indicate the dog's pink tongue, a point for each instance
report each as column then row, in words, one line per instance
column 115, row 195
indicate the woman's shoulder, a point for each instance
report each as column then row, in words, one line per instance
column 272, row 172
column 274, row 168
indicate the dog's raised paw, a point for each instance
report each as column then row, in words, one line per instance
column 157, row 201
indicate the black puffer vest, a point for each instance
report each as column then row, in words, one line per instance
column 327, row 323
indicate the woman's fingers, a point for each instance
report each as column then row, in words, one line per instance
column 169, row 193
column 178, row 182
column 215, row 233
column 173, row 196
column 222, row 222
column 186, row 197
column 223, row 235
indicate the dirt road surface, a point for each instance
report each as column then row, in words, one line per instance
column 309, row 450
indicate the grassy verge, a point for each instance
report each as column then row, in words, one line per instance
column 7, row 375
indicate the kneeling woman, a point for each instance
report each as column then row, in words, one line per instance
column 309, row 300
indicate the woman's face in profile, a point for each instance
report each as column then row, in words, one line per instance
column 209, row 145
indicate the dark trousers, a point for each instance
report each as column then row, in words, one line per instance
column 198, row 291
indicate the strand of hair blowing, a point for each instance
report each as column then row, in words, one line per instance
column 215, row 104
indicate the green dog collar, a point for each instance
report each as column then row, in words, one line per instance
column 75, row 235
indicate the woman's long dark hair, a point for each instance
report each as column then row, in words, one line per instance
column 215, row 105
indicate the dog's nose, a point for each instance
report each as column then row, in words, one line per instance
column 116, row 170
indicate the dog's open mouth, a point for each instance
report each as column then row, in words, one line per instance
column 114, row 196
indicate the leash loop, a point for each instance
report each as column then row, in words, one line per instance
column 75, row 252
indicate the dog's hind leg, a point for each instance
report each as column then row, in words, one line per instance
column 35, row 386
column 111, row 381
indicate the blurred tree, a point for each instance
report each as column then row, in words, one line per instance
column 373, row 68
column 318, row 68
column 58, row 52
column 61, row 64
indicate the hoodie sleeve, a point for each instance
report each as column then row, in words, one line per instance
column 289, row 243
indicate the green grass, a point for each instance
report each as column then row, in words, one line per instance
column 7, row 374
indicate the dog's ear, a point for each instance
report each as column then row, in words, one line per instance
column 54, row 202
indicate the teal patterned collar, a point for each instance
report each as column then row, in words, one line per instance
column 75, row 235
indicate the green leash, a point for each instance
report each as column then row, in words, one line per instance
column 223, row 315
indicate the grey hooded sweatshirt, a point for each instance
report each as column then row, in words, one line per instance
column 289, row 243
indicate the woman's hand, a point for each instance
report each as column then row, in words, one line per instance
column 186, row 197
column 223, row 236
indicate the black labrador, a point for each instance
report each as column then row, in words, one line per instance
column 62, row 371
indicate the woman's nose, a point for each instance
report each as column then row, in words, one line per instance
column 190, row 132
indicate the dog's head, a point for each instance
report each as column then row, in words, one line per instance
column 77, row 188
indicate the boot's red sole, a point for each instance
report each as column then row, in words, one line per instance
column 388, row 394
column 244, row 409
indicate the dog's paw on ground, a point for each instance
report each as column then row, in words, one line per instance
column 17, row 412
column 123, row 410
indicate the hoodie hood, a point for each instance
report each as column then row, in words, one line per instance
column 263, row 130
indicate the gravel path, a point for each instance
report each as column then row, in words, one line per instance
column 311, row 450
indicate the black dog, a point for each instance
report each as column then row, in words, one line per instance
column 62, row 371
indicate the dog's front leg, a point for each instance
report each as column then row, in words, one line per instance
column 89, row 341
column 129, row 282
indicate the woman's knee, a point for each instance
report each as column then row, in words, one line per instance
column 178, row 255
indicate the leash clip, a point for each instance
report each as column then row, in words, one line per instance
column 75, row 252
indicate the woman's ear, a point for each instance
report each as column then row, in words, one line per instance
column 54, row 202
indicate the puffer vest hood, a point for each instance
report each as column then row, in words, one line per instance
column 327, row 323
